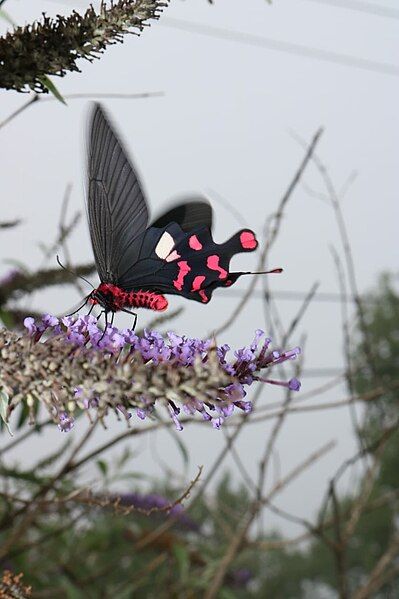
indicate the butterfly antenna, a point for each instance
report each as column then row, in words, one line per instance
column 74, row 273
column 80, row 307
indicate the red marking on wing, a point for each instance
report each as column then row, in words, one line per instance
column 172, row 256
column 213, row 263
column 228, row 283
column 194, row 243
column 197, row 283
column 203, row 295
column 248, row 241
column 184, row 269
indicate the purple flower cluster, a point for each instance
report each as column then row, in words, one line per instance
column 152, row 502
column 174, row 350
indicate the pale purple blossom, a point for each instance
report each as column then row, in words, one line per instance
column 246, row 365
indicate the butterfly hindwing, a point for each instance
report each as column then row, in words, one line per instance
column 189, row 215
column 192, row 265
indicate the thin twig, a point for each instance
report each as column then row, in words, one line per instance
column 21, row 109
column 249, row 516
column 377, row 579
column 274, row 232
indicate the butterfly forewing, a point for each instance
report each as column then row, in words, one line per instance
column 117, row 209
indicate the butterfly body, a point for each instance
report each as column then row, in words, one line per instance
column 113, row 299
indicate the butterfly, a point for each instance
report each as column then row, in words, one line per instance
column 139, row 262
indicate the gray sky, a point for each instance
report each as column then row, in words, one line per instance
column 226, row 124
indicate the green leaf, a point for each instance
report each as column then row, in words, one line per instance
column 3, row 409
column 48, row 84
column 53, row 457
column 123, row 458
column 24, row 413
column 6, row 17
column 6, row 318
column 226, row 594
column 102, row 466
column 133, row 476
column 183, row 561
column 26, row 475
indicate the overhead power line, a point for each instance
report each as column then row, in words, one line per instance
column 323, row 372
column 296, row 296
column 365, row 7
column 279, row 46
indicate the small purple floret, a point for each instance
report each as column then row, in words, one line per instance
column 294, row 384
column 217, row 422
column 66, row 422
column 29, row 324
column 124, row 411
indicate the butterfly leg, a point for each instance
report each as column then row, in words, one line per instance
column 106, row 325
column 133, row 314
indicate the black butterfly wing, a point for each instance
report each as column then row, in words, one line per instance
column 191, row 265
column 189, row 215
column 117, row 209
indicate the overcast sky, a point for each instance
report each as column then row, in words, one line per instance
column 227, row 124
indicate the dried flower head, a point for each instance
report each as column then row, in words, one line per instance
column 79, row 368
column 53, row 46
column 11, row 586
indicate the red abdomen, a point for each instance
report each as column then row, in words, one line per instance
column 117, row 299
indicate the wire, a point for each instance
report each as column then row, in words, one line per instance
column 296, row 296
column 365, row 7
column 280, row 46
column 322, row 372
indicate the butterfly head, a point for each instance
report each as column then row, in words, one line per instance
column 102, row 298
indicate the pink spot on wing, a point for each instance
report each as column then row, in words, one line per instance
column 197, row 283
column 194, row 243
column 248, row 241
column 184, row 269
column 213, row 263
column 203, row 295
column 172, row 256
column 228, row 283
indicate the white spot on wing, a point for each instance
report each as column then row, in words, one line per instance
column 165, row 245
